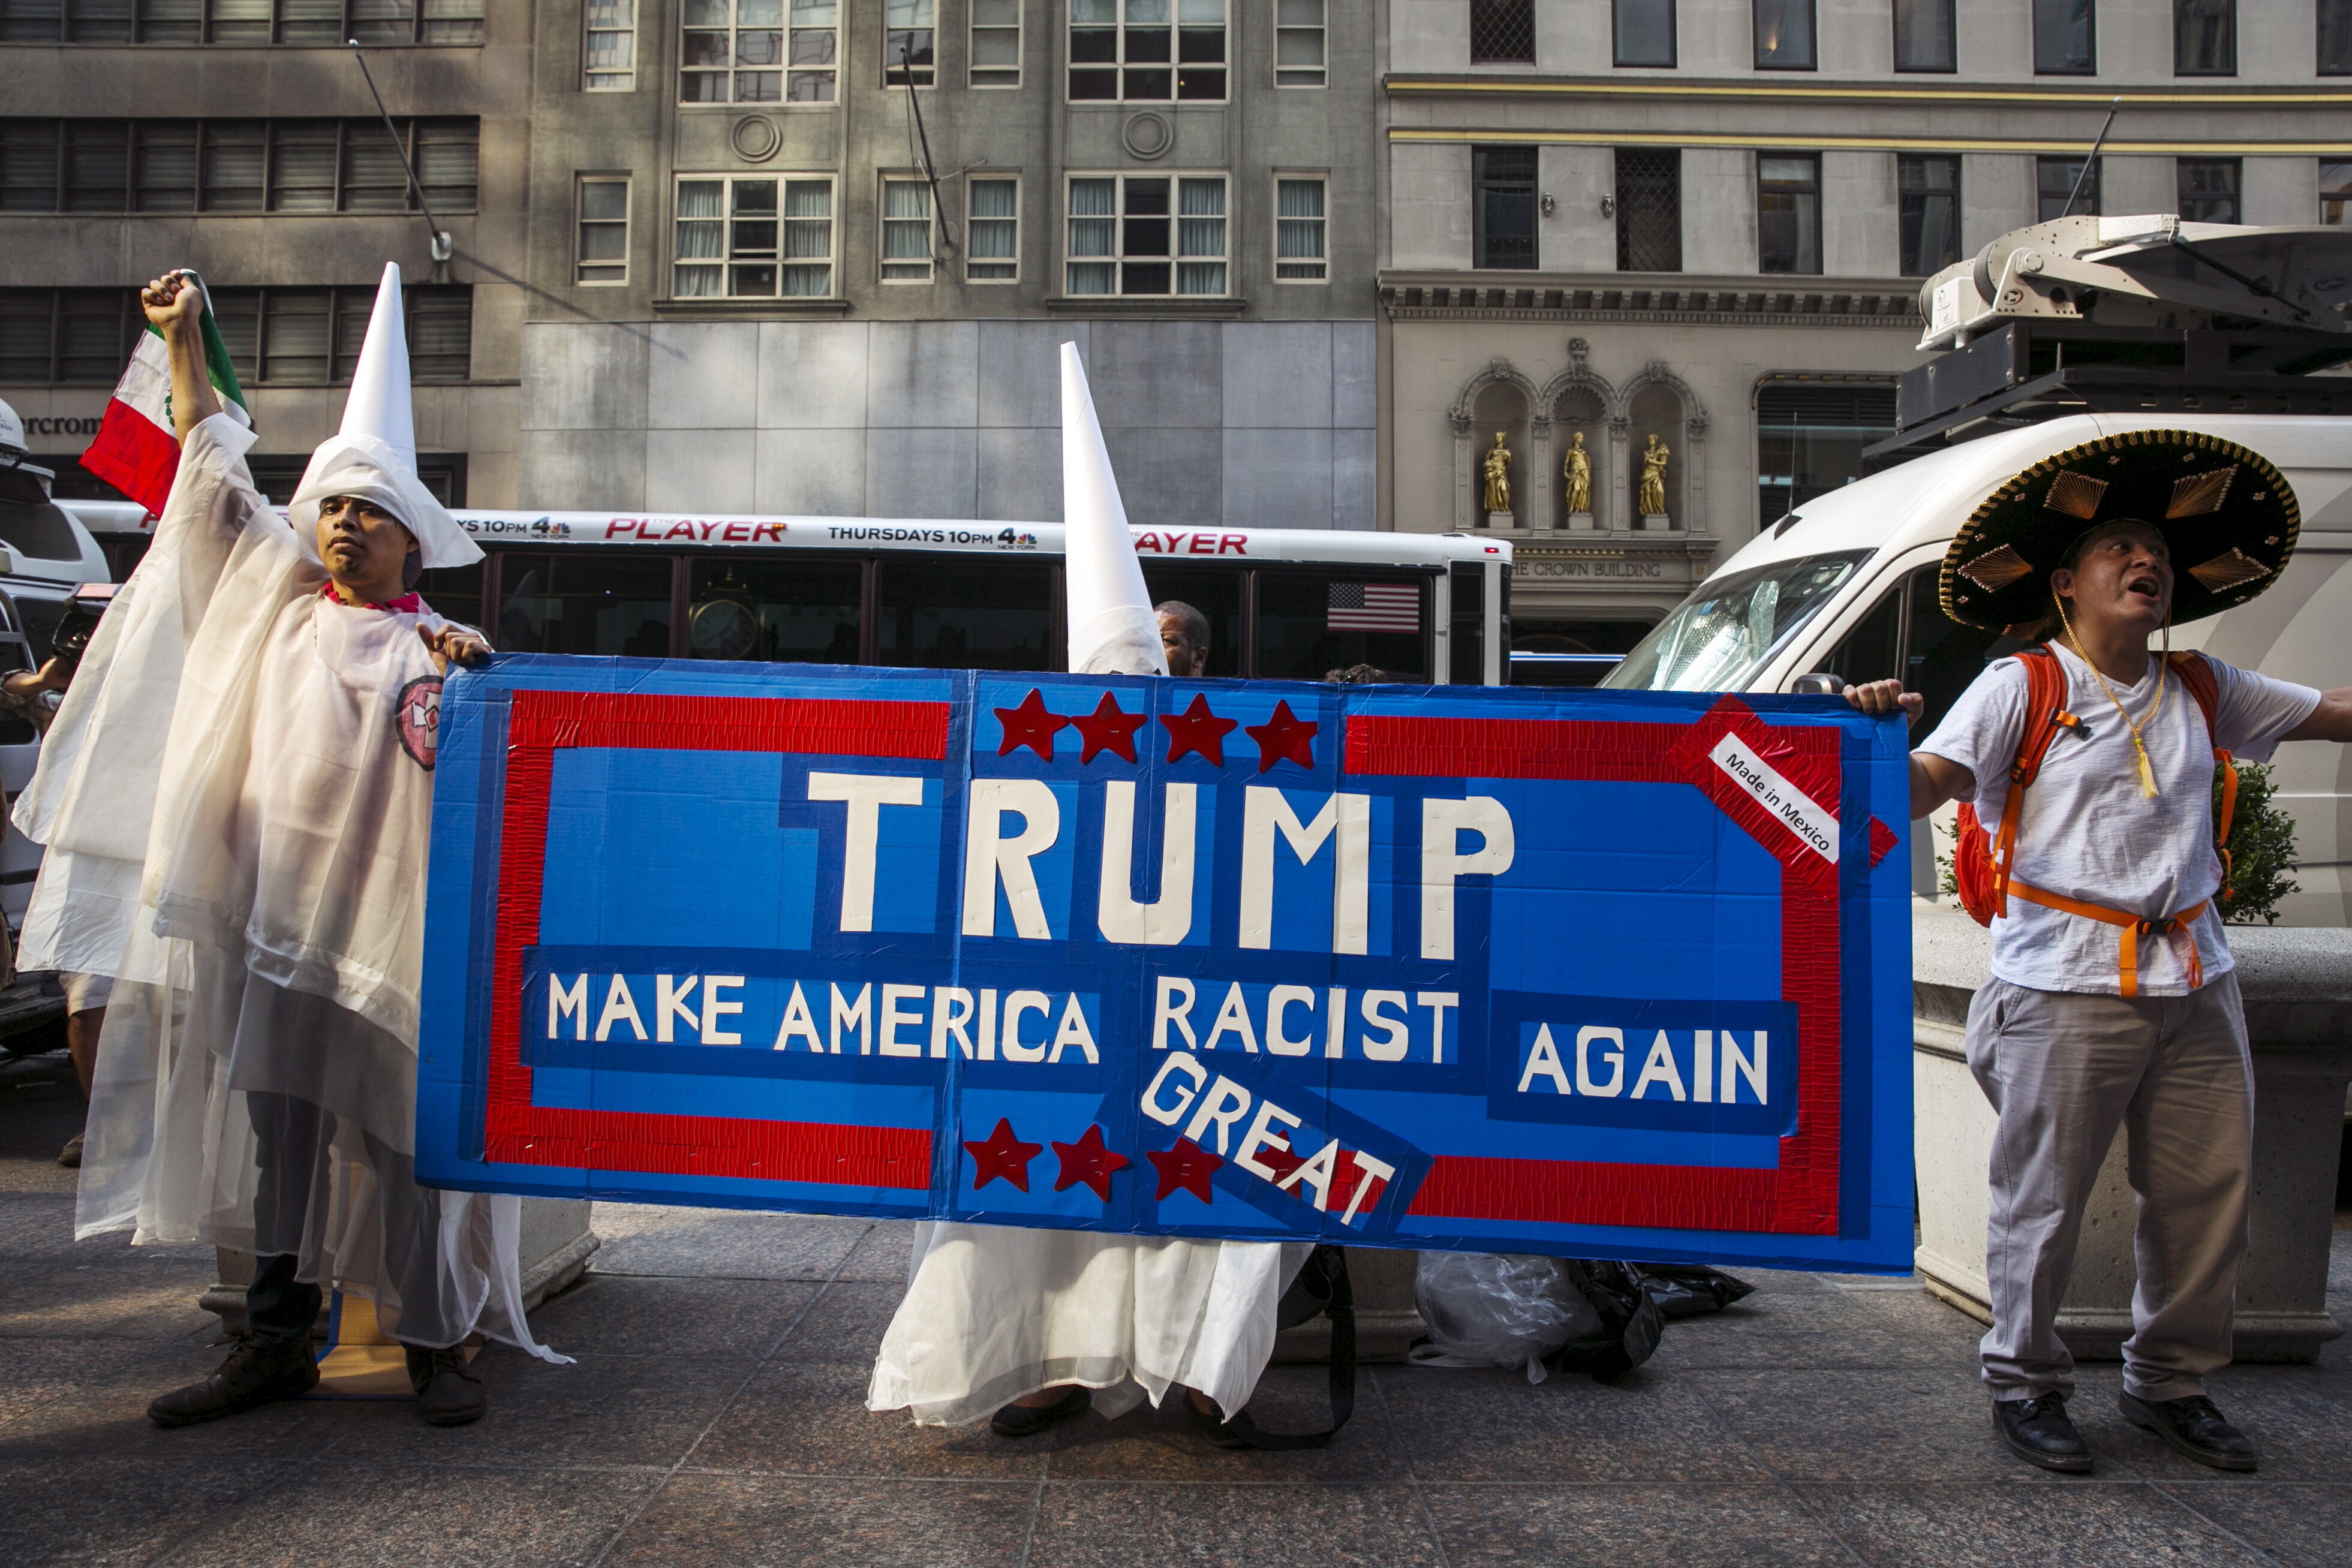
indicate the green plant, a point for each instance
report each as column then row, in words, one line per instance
column 2262, row 849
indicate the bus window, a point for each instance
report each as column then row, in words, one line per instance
column 454, row 591
column 1310, row 623
column 959, row 614
column 1868, row 651
column 1216, row 594
column 802, row 611
column 584, row 604
column 1469, row 651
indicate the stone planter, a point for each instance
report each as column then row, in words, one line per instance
column 2297, row 984
column 556, row 1242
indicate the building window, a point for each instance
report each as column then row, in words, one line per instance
column 1125, row 240
column 608, row 64
column 906, row 231
column 312, row 336
column 1930, row 222
column 748, row 54
column 906, row 43
column 241, row 23
column 1926, row 39
column 995, row 43
column 2335, row 192
column 753, row 239
column 1784, row 35
column 236, row 165
column 2065, row 38
column 1299, row 43
column 604, row 230
column 992, row 232
column 2334, row 38
column 1502, row 207
column 67, row 337
column 1643, row 32
column 1649, row 210
column 1299, row 229
column 1129, row 50
column 2204, row 38
column 1502, row 31
column 2208, row 189
column 1788, row 214
column 2054, row 179
column 1810, row 440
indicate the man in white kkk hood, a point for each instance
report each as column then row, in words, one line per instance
column 236, row 798
column 1028, row 1328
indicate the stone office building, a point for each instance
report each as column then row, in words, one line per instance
column 1706, row 221
column 239, row 138
column 817, row 255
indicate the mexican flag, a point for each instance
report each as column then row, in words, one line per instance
column 137, row 451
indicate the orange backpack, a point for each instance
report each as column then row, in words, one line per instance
column 1983, row 871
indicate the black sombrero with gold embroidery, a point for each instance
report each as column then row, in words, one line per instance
column 2227, row 515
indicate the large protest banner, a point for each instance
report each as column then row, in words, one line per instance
column 1585, row 973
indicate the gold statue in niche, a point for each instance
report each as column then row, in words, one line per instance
column 1653, row 478
column 1497, row 470
column 1576, row 470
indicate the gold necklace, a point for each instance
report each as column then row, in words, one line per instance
column 2139, row 746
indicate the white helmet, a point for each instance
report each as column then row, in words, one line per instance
column 12, row 436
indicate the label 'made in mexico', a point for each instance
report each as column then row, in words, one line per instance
column 1599, row 973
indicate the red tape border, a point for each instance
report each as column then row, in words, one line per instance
column 1800, row 1196
column 517, row 1131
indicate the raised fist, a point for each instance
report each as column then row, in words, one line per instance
column 172, row 301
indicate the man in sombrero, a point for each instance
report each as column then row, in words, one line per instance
column 2112, row 998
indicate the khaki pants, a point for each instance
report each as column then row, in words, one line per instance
column 2061, row 1069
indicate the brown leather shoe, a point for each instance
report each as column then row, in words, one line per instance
column 254, row 1373
column 448, row 1392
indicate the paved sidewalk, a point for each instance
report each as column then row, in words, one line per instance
column 715, row 1416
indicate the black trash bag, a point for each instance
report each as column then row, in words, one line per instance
column 1631, row 1322
column 1691, row 1289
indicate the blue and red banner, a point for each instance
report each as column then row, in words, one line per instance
column 1584, row 973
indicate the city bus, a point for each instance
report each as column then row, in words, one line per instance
column 1293, row 604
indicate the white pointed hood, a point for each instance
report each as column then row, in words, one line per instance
column 1112, row 631
column 374, row 456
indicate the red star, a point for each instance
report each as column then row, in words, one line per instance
column 1198, row 729
column 1001, row 1155
column 1286, row 735
column 1087, row 1161
column 1029, row 725
column 1188, row 1165
column 1108, row 728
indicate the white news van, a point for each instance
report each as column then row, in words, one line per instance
column 2060, row 334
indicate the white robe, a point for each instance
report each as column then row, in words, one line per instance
column 993, row 1313
column 237, row 834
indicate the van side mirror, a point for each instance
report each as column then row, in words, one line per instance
column 1820, row 684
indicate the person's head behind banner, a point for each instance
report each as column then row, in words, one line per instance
column 1184, row 638
column 372, row 459
column 2163, row 526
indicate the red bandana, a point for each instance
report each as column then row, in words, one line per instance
column 406, row 604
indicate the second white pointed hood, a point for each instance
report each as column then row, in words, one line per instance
column 373, row 457
column 1112, row 631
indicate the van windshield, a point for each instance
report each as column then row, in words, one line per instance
column 1720, row 636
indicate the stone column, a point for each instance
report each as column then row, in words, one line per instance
column 1618, row 515
column 1468, row 514
column 1538, row 509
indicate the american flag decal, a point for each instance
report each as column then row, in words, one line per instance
column 1375, row 606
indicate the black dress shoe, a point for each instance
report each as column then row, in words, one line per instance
column 1020, row 1421
column 2037, row 1431
column 2192, row 1428
column 448, row 1392
column 254, row 1373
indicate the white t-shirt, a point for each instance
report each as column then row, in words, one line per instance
column 2088, row 833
